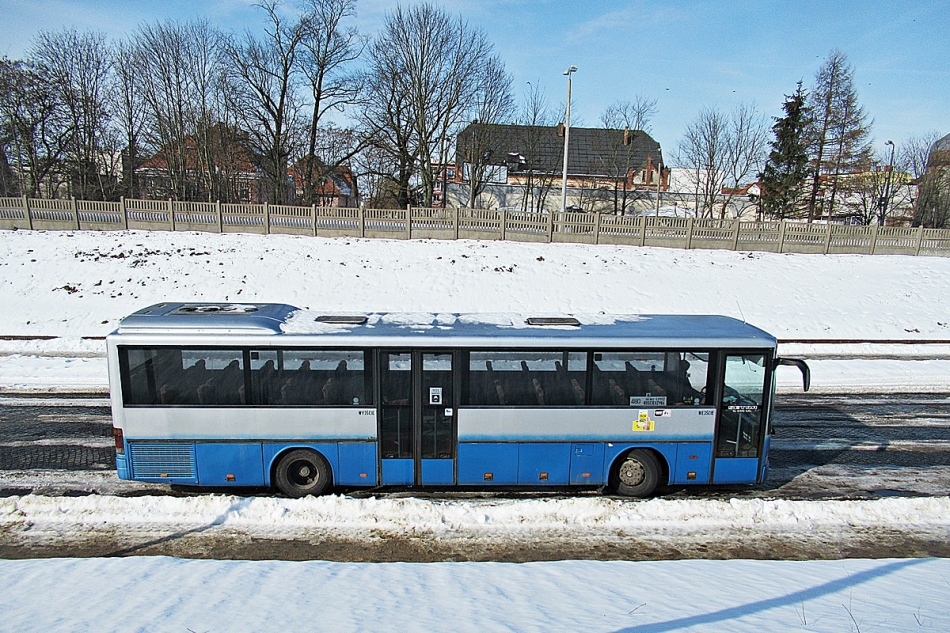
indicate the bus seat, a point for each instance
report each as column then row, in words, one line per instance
column 578, row 391
column 500, row 392
column 538, row 391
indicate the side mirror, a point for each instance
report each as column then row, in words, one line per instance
column 796, row 362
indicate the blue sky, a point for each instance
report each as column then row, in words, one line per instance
column 687, row 55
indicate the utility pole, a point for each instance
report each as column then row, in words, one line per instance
column 567, row 134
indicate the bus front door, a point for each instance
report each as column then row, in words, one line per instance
column 417, row 413
column 740, row 432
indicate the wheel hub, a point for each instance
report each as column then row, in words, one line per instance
column 632, row 473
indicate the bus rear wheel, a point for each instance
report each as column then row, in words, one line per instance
column 302, row 472
column 637, row 475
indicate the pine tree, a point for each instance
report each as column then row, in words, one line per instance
column 782, row 181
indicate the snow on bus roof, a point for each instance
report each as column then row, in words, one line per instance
column 269, row 318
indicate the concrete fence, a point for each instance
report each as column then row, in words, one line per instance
column 478, row 224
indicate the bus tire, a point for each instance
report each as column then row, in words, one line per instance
column 302, row 472
column 637, row 474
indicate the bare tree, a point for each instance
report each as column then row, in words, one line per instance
column 723, row 151
column 79, row 65
column 35, row 127
column 326, row 50
column 421, row 79
column 914, row 153
column 927, row 158
column 839, row 130
column 633, row 115
column 494, row 104
column 745, row 151
column 542, row 163
column 874, row 191
column 129, row 111
column 266, row 93
column 703, row 150
column 180, row 69
column 618, row 159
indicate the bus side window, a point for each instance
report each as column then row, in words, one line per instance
column 635, row 378
column 526, row 378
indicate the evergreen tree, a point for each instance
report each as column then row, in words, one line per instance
column 782, row 181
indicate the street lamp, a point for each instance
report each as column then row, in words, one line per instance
column 882, row 206
column 567, row 134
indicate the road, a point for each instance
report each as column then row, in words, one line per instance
column 824, row 447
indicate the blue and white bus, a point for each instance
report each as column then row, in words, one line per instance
column 273, row 396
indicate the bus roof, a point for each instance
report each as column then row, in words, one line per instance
column 442, row 329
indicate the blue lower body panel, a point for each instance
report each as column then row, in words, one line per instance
column 357, row 465
column 736, row 470
column 587, row 464
column 544, row 464
column 488, row 464
column 692, row 464
column 438, row 472
column 230, row 464
column 398, row 472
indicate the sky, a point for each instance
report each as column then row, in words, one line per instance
column 687, row 55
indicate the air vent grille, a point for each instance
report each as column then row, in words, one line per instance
column 553, row 321
column 342, row 319
column 216, row 309
column 163, row 461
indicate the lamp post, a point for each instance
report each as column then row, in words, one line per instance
column 882, row 205
column 567, row 134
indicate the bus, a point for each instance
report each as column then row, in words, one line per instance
column 269, row 395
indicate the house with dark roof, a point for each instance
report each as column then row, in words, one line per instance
column 596, row 156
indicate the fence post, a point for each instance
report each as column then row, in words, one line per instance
column 735, row 234
column 26, row 210
column 597, row 228
column 75, row 208
column 313, row 217
column 874, row 238
column 828, row 238
column 689, row 233
column 920, row 238
column 550, row 226
column 266, row 217
column 455, row 221
column 504, row 221
column 643, row 230
column 781, row 237
column 125, row 213
column 171, row 214
column 408, row 221
column 362, row 217
column 217, row 212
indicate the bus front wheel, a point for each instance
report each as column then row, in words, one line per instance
column 302, row 472
column 637, row 475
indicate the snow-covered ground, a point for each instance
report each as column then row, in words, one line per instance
column 71, row 285
column 165, row 594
